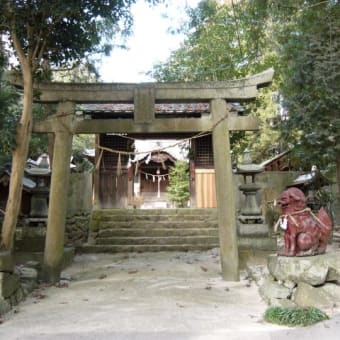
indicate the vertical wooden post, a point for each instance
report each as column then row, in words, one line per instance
column 226, row 206
column 54, row 243
column 96, row 175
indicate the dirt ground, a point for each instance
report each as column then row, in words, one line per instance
column 150, row 296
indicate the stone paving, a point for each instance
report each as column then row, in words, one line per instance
column 168, row 295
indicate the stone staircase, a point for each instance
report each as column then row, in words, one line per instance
column 142, row 230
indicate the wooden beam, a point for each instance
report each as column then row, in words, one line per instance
column 225, row 192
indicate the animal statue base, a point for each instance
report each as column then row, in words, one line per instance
column 305, row 234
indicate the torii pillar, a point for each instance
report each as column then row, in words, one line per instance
column 225, row 191
column 54, row 242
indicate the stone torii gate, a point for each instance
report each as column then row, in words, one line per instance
column 64, row 124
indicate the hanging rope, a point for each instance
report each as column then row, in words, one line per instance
column 153, row 176
column 283, row 219
column 99, row 159
column 119, row 165
column 182, row 141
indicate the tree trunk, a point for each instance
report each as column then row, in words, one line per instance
column 19, row 157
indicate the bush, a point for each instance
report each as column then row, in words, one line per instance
column 178, row 189
column 294, row 316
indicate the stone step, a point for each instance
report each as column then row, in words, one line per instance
column 263, row 243
column 144, row 248
column 154, row 215
column 156, row 232
column 157, row 212
column 142, row 224
column 153, row 218
column 253, row 230
column 258, row 243
column 169, row 240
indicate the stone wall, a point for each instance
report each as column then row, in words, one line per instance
column 16, row 282
column 77, row 229
column 79, row 193
column 31, row 237
column 303, row 281
column 79, row 209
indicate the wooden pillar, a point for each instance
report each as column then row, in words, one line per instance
column 226, row 207
column 54, row 243
column 96, row 175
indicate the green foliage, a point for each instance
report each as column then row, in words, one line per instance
column 81, row 73
column 222, row 43
column 309, row 41
column 294, row 316
column 56, row 33
column 178, row 189
column 82, row 142
column 229, row 41
column 9, row 113
column 264, row 143
column 301, row 40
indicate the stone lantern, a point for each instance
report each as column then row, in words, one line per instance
column 250, row 211
column 39, row 200
column 251, row 227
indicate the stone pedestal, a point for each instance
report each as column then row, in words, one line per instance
column 303, row 281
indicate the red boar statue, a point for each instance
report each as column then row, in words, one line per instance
column 305, row 233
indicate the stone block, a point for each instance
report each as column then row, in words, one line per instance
column 289, row 284
column 313, row 270
column 271, row 290
column 19, row 295
column 333, row 290
column 333, row 274
column 33, row 264
column 9, row 283
column 285, row 303
column 28, row 287
column 5, row 306
column 6, row 262
column 320, row 297
column 27, row 273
